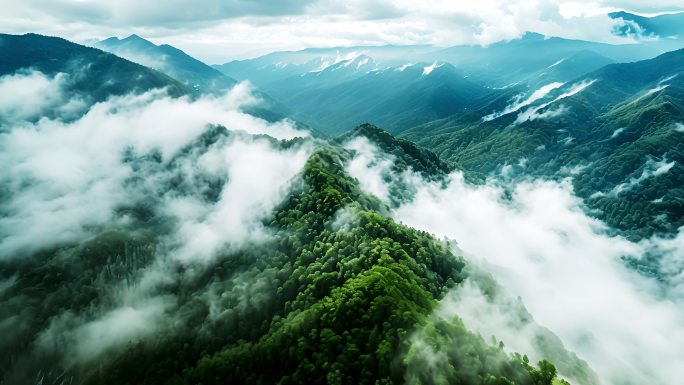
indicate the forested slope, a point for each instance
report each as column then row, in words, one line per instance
column 337, row 295
column 610, row 129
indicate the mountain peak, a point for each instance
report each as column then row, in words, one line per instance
column 617, row 14
column 406, row 153
column 532, row 36
column 130, row 41
column 109, row 40
column 136, row 39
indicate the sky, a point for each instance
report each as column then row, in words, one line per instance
column 216, row 31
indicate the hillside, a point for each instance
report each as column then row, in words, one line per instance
column 398, row 88
column 667, row 26
column 486, row 215
column 93, row 73
column 612, row 125
column 338, row 293
column 169, row 60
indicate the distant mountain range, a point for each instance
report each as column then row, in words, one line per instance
column 334, row 290
column 93, row 73
column 613, row 125
column 394, row 98
column 667, row 26
column 333, row 89
column 170, row 60
column 198, row 77
column 569, row 107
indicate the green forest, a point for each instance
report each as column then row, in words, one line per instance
column 338, row 296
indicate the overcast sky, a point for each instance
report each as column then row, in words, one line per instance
column 220, row 30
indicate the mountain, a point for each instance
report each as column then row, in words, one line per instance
column 396, row 98
column 496, row 65
column 396, row 87
column 161, row 240
column 94, row 74
column 337, row 293
column 169, row 60
column 520, row 60
column 617, row 130
column 196, row 75
column 667, row 26
column 407, row 154
column 568, row 68
column 277, row 66
column 139, row 246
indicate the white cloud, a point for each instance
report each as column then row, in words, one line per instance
column 369, row 168
column 344, row 219
column 658, row 88
column 541, row 246
column 428, row 70
column 86, row 341
column 533, row 113
column 258, row 179
column 617, row 132
column 651, row 169
column 65, row 178
column 27, row 95
column 216, row 32
column 519, row 103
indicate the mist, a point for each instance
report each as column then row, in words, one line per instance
column 519, row 101
column 537, row 241
column 62, row 177
column 200, row 175
column 532, row 113
column 46, row 95
column 651, row 169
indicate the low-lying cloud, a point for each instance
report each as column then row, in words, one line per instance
column 534, row 237
column 533, row 113
column 679, row 127
column 62, row 177
column 258, row 180
column 651, row 169
column 86, row 341
column 369, row 168
column 207, row 172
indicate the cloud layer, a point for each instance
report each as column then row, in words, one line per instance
column 66, row 182
column 536, row 240
column 64, row 177
column 215, row 31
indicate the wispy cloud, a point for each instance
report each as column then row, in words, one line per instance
column 66, row 177
column 651, row 169
column 617, row 132
column 370, row 169
column 533, row 113
column 216, row 32
column 519, row 103
column 69, row 181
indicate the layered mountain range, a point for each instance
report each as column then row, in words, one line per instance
column 421, row 215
